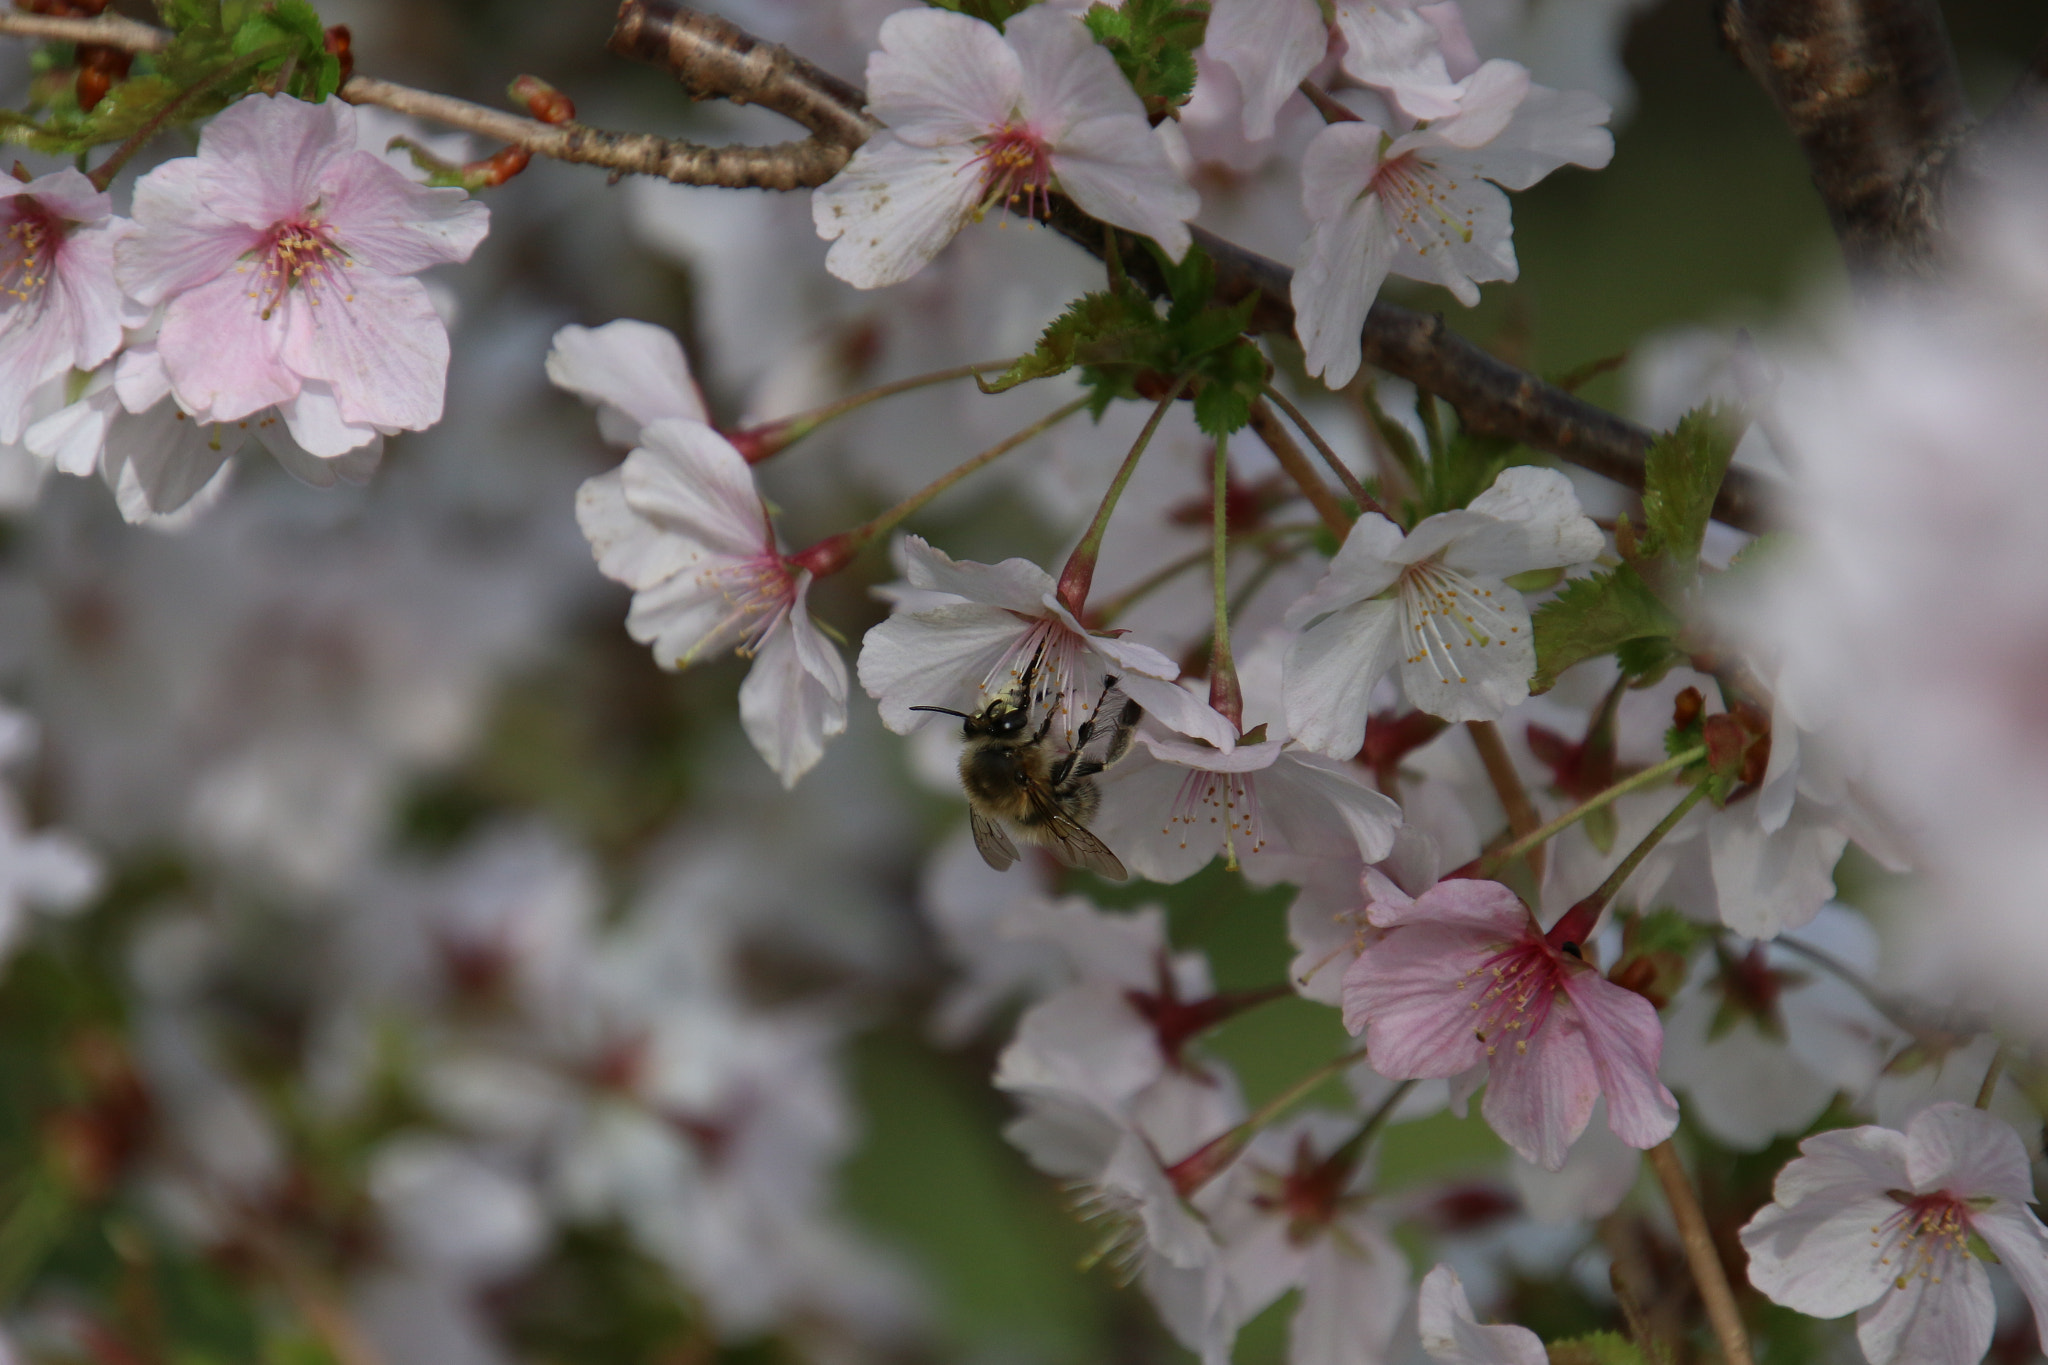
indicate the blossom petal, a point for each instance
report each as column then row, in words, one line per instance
column 1626, row 1042
column 1392, row 47
column 941, row 78
column 893, row 208
column 633, row 372
column 1466, row 901
column 1179, row 709
column 1811, row 1250
column 1953, row 1146
column 1470, row 645
column 1453, row 1336
column 1406, row 993
column 1362, row 569
column 625, row 547
column 2021, row 1242
column 184, row 243
column 1117, row 169
column 1536, row 522
column 1331, row 670
column 1768, row 883
column 1015, row 584
column 1354, row 1290
column 1338, row 275
column 1459, row 234
column 1540, row 1090
column 376, row 340
column 1270, row 46
column 1551, row 128
column 794, row 697
column 688, row 480
column 1943, row 1318
column 934, row 658
column 1326, row 809
column 264, row 156
column 390, row 224
column 224, row 359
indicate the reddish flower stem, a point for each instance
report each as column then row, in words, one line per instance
column 1297, row 468
column 758, row 442
column 1507, row 785
column 1079, row 572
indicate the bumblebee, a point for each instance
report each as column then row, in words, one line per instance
column 1018, row 781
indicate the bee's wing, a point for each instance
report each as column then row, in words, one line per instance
column 1072, row 843
column 995, row 846
column 1103, row 738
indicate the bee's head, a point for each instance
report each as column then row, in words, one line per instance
column 1000, row 719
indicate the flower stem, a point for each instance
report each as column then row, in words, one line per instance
column 1499, row 858
column 103, row 174
column 1366, row 502
column 1172, row 569
column 835, row 552
column 1080, row 567
column 763, row 439
column 1700, row 1254
column 1225, row 695
column 1641, row 851
column 1507, row 785
column 1326, row 104
column 1355, row 1145
column 1300, row 470
column 1991, row 1075
column 1214, row 1157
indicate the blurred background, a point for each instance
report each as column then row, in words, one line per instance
column 419, row 878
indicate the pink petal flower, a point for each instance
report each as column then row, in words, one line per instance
column 280, row 255
column 1464, row 975
column 60, row 309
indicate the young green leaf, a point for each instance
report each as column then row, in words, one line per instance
column 1682, row 474
column 1596, row 616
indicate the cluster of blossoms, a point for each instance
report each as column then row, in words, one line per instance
column 1553, row 785
column 264, row 286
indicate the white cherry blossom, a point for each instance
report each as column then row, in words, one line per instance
column 681, row 524
column 965, row 633
column 975, row 118
column 1879, row 1223
column 1428, row 204
column 1434, row 603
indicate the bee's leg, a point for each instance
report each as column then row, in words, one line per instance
column 1126, row 727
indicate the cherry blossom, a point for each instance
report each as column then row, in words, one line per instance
column 1435, row 602
column 1452, row 1335
column 1270, row 46
column 1295, row 1212
column 965, row 633
column 632, row 372
column 1173, row 805
column 1417, row 52
column 60, row 309
column 976, row 118
column 282, row 258
column 1879, row 1222
column 681, row 524
column 1428, row 204
column 1464, row 975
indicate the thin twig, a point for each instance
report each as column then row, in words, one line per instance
column 1991, row 1075
column 1366, row 502
column 1523, row 818
column 109, row 30
column 1701, row 1256
column 1299, row 469
column 1501, row 857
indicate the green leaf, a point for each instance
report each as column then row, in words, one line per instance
column 1154, row 43
column 1595, row 616
column 1098, row 324
column 1600, row 1348
column 1647, row 659
column 1682, row 474
column 997, row 12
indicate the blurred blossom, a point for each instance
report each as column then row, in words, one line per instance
column 1910, row 438
column 1453, row 1336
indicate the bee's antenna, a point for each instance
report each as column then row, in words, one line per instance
column 944, row 711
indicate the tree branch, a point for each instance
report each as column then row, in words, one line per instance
column 1491, row 396
column 714, row 58
column 1870, row 89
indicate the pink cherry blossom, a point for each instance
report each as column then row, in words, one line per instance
column 976, row 117
column 681, row 524
column 1418, row 53
column 1428, row 204
column 1878, row 1222
column 1464, row 975
column 282, row 258
column 60, row 309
